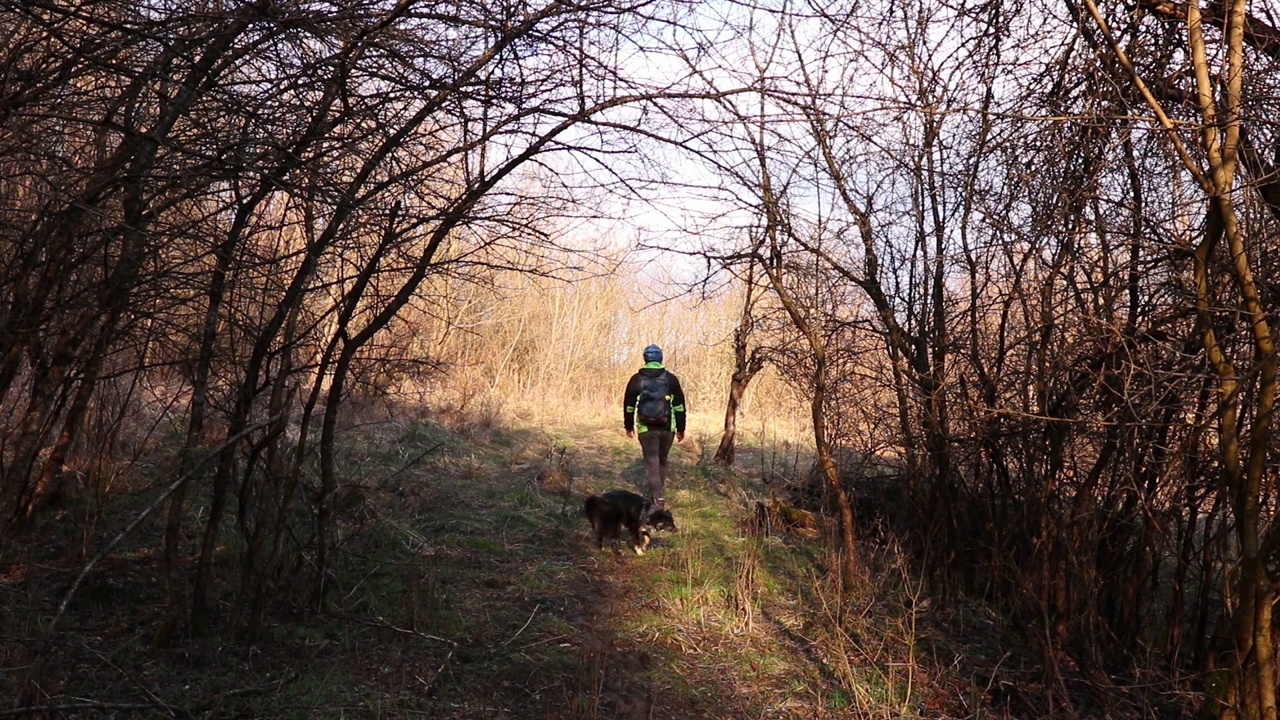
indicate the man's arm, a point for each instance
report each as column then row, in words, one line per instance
column 677, row 406
column 629, row 399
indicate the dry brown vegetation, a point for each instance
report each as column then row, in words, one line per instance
column 314, row 318
column 462, row 582
column 465, row 586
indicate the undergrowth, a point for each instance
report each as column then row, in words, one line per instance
column 464, row 586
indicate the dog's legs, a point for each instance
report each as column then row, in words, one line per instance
column 637, row 544
column 614, row 539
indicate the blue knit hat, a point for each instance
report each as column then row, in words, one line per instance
column 653, row 353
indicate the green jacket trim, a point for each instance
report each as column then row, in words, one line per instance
column 678, row 409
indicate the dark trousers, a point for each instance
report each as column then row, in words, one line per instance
column 656, row 445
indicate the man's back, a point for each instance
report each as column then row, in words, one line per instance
column 654, row 405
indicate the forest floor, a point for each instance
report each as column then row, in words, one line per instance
column 466, row 587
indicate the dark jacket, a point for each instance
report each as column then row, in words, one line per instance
column 632, row 395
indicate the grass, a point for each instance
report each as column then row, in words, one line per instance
column 666, row 634
column 465, row 586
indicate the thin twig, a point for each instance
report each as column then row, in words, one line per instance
column 383, row 623
column 105, row 659
column 526, row 624
column 415, row 461
column 426, row 686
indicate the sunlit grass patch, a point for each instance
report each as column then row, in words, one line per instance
column 515, row 520
column 838, row 699
column 490, row 558
column 759, row 660
column 787, row 566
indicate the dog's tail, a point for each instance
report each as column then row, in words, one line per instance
column 591, row 507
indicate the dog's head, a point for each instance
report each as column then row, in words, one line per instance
column 660, row 519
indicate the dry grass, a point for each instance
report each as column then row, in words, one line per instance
column 465, row 586
column 713, row 623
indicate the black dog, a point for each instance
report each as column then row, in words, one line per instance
column 611, row 511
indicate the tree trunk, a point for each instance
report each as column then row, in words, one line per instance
column 831, row 474
column 745, row 366
column 737, row 386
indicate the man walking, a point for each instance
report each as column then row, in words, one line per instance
column 654, row 406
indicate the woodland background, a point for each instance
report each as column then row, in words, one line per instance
column 1021, row 254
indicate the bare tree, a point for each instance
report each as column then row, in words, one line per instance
column 239, row 203
column 1245, row 370
column 747, row 362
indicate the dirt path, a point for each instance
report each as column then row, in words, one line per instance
column 463, row 586
column 578, row 633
